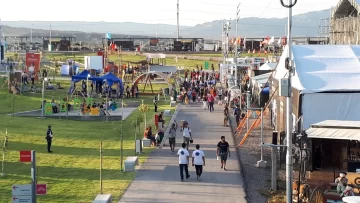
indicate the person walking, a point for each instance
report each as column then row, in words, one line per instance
column 220, row 94
column 223, row 150
column 172, row 137
column 226, row 115
column 183, row 162
column 198, row 160
column 49, row 137
column 211, row 102
column 186, row 134
column 237, row 114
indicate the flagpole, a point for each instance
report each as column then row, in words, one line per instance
column 236, row 47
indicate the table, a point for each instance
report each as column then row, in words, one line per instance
column 351, row 199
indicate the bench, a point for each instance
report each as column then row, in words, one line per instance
column 130, row 163
column 102, row 198
column 167, row 113
column 146, row 142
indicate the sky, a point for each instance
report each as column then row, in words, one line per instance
column 192, row 12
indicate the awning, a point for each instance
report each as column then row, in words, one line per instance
column 335, row 129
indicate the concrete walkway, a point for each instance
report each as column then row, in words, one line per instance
column 158, row 180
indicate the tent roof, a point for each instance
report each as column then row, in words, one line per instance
column 322, row 68
column 268, row 66
column 111, row 77
column 335, row 129
column 261, row 77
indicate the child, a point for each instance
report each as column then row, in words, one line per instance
column 341, row 182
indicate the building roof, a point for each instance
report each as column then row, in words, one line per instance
column 323, row 68
column 346, row 8
column 335, row 129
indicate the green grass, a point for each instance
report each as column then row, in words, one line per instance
column 72, row 171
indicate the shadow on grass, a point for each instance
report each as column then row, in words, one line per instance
column 61, row 150
column 71, row 173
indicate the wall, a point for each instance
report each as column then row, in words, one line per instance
column 345, row 30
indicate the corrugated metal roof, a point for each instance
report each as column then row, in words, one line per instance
column 335, row 129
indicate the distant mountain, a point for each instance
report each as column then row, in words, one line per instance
column 303, row 25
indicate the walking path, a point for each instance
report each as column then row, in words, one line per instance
column 158, row 180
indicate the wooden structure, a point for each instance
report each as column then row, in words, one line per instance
column 148, row 76
column 345, row 22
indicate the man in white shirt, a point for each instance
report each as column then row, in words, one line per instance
column 183, row 161
column 186, row 134
column 198, row 160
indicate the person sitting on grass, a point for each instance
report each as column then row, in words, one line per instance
column 148, row 135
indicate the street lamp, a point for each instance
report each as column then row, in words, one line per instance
column 42, row 93
column 236, row 44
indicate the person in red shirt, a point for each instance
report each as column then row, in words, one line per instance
column 211, row 102
column 193, row 95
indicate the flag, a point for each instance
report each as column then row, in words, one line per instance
column 238, row 40
column 272, row 40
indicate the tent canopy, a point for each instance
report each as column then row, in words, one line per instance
column 335, row 129
column 268, row 66
column 81, row 76
column 323, row 68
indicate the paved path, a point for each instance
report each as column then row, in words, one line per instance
column 158, row 180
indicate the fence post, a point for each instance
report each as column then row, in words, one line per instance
column 273, row 168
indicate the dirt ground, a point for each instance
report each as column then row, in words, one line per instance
column 258, row 180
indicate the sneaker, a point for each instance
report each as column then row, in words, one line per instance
column 197, row 177
column 182, row 180
column 221, row 166
column 224, row 169
column 188, row 176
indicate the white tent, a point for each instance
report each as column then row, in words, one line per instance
column 328, row 78
column 268, row 66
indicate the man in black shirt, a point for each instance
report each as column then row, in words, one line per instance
column 223, row 151
column 49, row 137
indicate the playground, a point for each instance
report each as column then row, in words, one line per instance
column 75, row 159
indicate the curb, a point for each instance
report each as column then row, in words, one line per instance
column 167, row 131
column 231, row 120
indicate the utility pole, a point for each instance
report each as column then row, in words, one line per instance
column 178, row 25
column 31, row 33
column 50, row 39
column 288, row 65
column 226, row 30
column 236, row 48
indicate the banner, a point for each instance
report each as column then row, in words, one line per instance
column 33, row 64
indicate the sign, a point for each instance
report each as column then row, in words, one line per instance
column 21, row 199
column 33, row 63
column 25, row 156
column 108, row 36
column 20, row 190
column 41, row 189
column 206, row 65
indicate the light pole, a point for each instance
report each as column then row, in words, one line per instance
column 178, row 24
column 288, row 65
column 42, row 96
column 236, row 45
column 87, row 85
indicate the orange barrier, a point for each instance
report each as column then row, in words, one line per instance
column 257, row 122
column 242, row 124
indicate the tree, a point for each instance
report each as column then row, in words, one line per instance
column 4, row 145
column 144, row 108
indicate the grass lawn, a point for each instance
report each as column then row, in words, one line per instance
column 72, row 171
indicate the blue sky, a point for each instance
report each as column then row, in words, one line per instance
column 192, row 12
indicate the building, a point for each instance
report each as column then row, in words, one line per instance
column 345, row 22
